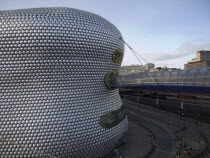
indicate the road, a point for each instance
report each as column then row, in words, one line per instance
column 163, row 140
column 165, row 126
column 138, row 143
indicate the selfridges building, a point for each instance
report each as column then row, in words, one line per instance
column 54, row 99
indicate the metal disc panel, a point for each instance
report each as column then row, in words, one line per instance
column 53, row 64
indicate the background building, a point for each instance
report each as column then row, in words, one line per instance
column 131, row 69
column 202, row 60
column 165, row 68
column 149, row 66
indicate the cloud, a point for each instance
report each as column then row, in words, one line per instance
column 185, row 49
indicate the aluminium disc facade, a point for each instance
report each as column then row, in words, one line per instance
column 53, row 65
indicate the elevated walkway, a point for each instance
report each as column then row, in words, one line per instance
column 194, row 81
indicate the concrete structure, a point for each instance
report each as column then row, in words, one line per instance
column 202, row 60
column 54, row 102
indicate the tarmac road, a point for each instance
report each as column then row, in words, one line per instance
column 166, row 141
column 162, row 142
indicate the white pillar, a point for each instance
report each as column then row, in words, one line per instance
column 157, row 101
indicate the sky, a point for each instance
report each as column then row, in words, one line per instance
column 165, row 32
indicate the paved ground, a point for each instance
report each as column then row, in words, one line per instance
column 162, row 144
column 164, row 148
column 138, row 140
column 171, row 134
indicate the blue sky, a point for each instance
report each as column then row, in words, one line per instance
column 166, row 32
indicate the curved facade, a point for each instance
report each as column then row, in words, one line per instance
column 53, row 65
